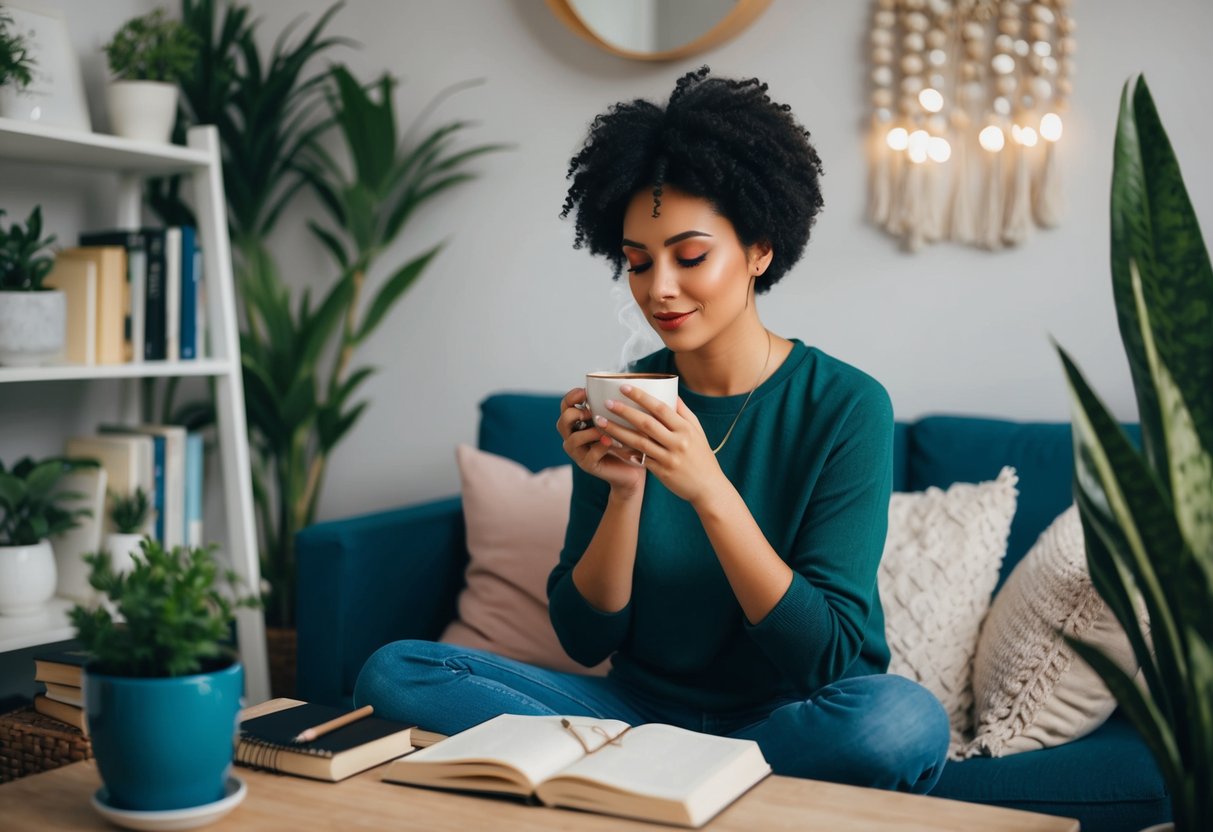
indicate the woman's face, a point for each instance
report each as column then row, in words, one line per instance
column 688, row 271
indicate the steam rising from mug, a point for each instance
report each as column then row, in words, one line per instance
column 641, row 339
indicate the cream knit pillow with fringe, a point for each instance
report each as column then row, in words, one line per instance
column 940, row 565
column 1031, row 690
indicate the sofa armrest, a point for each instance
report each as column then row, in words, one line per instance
column 363, row 582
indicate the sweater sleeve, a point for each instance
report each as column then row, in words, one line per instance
column 587, row 634
column 816, row 629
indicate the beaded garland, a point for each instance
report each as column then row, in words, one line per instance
column 967, row 101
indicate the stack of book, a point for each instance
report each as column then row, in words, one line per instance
column 166, row 461
column 62, row 674
column 133, row 295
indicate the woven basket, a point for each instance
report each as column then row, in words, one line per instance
column 31, row 742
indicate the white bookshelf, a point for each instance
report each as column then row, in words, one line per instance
column 133, row 161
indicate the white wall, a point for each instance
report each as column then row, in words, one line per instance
column 510, row 305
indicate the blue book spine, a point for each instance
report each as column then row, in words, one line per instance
column 158, row 476
column 193, row 489
column 189, row 293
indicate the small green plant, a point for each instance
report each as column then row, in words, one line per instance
column 129, row 511
column 31, row 507
column 23, row 263
column 152, row 48
column 177, row 616
column 16, row 65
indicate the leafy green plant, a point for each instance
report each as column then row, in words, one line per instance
column 23, row 263
column 152, row 48
column 1148, row 516
column 129, row 511
column 297, row 413
column 175, row 616
column 33, row 509
column 16, row 64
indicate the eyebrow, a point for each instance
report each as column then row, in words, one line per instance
column 677, row 238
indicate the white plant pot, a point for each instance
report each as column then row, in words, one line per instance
column 121, row 547
column 143, row 110
column 27, row 578
column 33, row 327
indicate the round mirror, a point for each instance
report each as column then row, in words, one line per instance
column 657, row 30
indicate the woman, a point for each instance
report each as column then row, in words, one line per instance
column 722, row 552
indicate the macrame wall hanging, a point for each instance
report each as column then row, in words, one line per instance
column 967, row 102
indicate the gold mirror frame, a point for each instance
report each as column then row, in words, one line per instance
column 743, row 14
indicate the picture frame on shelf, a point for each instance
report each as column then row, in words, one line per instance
column 56, row 96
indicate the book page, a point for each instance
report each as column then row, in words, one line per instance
column 668, row 763
column 535, row 746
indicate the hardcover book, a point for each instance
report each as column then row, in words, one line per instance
column 653, row 772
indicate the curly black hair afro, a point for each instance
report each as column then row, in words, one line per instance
column 720, row 139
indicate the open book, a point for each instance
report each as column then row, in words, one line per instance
column 653, row 772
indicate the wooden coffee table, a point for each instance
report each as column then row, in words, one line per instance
column 59, row 800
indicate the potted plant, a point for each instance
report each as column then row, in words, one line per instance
column 147, row 57
column 31, row 510
column 130, row 514
column 33, row 319
column 1147, row 515
column 16, row 63
column 162, row 689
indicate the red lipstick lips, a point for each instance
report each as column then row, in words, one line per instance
column 669, row 321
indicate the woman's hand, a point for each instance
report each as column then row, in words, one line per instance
column 671, row 443
column 591, row 449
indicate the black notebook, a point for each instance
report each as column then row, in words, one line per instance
column 267, row 743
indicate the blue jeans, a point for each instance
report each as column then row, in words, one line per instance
column 880, row 731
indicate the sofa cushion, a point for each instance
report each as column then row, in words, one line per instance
column 1031, row 690
column 1107, row 780
column 939, row 566
column 522, row 427
column 515, row 529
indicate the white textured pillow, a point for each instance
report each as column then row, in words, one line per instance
column 940, row 565
column 1031, row 690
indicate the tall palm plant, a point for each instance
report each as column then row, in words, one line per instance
column 1148, row 516
column 299, row 409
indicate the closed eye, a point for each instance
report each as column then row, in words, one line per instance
column 640, row 268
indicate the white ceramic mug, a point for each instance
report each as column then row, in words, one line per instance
column 602, row 386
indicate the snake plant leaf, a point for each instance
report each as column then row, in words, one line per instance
column 1140, row 709
column 392, row 290
column 1113, row 475
column 1190, row 466
column 1182, row 304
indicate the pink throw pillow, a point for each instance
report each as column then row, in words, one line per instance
column 515, row 529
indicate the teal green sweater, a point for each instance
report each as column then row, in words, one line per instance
column 812, row 456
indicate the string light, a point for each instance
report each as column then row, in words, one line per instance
column 1050, row 127
column 992, row 138
column 931, row 100
column 898, row 138
column 938, row 149
column 919, row 141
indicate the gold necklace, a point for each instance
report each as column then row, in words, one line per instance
column 747, row 398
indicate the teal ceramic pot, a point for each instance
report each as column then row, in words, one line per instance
column 164, row 743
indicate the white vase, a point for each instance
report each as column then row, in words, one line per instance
column 143, row 110
column 33, row 327
column 27, row 578
column 121, row 547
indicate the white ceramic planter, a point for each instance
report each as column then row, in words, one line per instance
column 121, row 547
column 143, row 110
column 27, row 578
column 33, row 328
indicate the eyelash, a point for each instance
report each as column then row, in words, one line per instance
column 686, row 264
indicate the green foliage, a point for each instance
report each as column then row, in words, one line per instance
column 23, row 265
column 16, row 64
column 32, row 507
column 129, row 511
column 152, row 48
column 1148, row 516
column 175, row 618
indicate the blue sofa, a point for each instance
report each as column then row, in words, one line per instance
column 369, row 580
